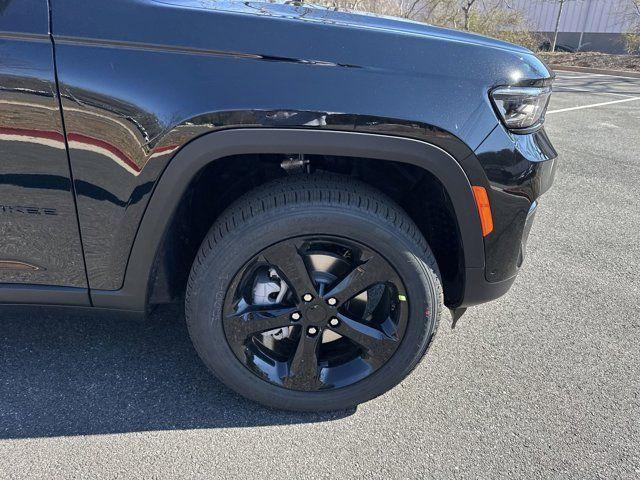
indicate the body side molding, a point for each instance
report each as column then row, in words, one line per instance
column 210, row 147
column 30, row 294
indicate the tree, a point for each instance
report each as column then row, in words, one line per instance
column 466, row 11
column 555, row 31
column 554, row 41
column 494, row 18
column 632, row 35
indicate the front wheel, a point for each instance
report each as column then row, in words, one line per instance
column 313, row 293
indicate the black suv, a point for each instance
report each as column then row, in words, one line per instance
column 314, row 185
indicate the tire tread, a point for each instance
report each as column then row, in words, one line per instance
column 318, row 189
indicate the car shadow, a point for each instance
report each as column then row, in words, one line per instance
column 81, row 371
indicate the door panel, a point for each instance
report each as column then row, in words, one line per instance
column 39, row 239
column 24, row 17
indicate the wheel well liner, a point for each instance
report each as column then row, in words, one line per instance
column 197, row 154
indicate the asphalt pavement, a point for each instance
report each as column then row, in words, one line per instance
column 543, row 383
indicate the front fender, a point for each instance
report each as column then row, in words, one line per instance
column 191, row 159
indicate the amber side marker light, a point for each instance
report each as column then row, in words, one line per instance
column 484, row 209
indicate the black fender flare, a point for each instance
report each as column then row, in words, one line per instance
column 194, row 156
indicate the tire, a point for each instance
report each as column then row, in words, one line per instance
column 303, row 207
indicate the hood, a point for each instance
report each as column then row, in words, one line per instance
column 318, row 14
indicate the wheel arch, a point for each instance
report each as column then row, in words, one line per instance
column 202, row 151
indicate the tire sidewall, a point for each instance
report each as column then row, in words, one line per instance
column 211, row 279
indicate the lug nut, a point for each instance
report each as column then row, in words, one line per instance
column 312, row 331
column 334, row 322
column 307, row 297
column 332, row 301
column 296, row 316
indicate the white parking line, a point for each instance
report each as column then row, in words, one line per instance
column 593, row 105
column 571, row 77
column 576, row 90
column 564, row 75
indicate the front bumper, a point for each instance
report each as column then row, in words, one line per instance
column 518, row 169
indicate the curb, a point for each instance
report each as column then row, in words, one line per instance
column 598, row 71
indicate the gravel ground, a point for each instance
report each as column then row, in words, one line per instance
column 542, row 383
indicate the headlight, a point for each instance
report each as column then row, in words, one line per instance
column 521, row 108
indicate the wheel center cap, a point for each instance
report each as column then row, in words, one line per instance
column 315, row 313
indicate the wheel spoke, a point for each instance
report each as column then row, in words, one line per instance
column 286, row 257
column 373, row 271
column 303, row 369
column 255, row 319
column 378, row 345
column 284, row 343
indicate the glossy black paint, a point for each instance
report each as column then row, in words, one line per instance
column 38, row 224
column 360, row 292
column 216, row 146
column 136, row 91
column 520, row 168
column 141, row 79
column 24, row 18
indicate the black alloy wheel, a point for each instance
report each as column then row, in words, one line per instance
column 313, row 293
column 314, row 313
